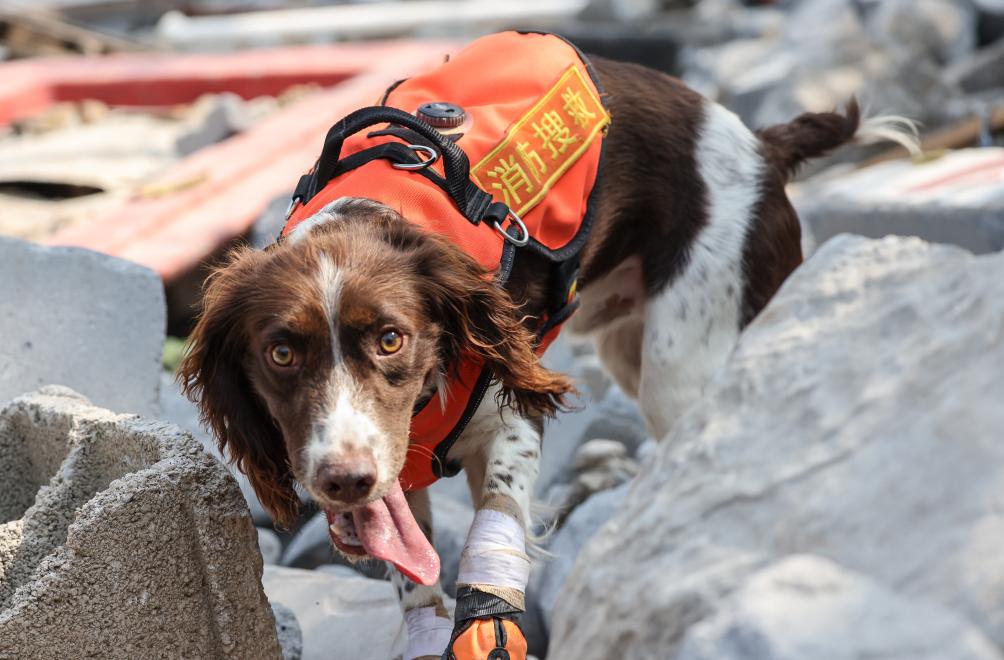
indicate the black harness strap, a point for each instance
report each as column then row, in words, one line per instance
column 468, row 197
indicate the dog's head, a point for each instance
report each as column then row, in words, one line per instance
column 309, row 358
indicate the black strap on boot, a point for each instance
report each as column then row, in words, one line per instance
column 472, row 606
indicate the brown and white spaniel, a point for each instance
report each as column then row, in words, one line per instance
column 310, row 357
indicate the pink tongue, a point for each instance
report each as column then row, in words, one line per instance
column 388, row 531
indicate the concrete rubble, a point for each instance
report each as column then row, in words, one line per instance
column 288, row 630
column 804, row 606
column 896, row 55
column 342, row 618
column 121, row 539
column 177, row 409
column 75, row 162
column 858, row 420
column 81, row 319
column 957, row 198
column 548, row 574
column 841, row 472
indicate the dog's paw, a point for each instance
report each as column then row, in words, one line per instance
column 488, row 639
column 486, row 629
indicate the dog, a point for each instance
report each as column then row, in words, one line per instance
column 309, row 358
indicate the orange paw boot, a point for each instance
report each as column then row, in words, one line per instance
column 486, row 629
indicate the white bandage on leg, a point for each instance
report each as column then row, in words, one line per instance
column 495, row 553
column 428, row 634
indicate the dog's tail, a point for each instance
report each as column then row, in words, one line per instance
column 816, row 133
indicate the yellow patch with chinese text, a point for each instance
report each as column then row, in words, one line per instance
column 543, row 144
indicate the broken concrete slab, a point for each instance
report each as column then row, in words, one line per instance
column 956, row 199
column 857, row 419
column 840, row 615
column 287, row 628
column 81, row 319
column 270, row 545
column 177, row 409
column 821, row 52
column 939, row 30
column 122, row 539
column 214, row 117
column 342, row 618
column 982, row 70
column 118, row 150
column 548, row 573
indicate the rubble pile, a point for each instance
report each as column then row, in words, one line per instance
column 858, row 420
column 121, row 538
column 939, row 63
column 841, row 471
column 73, row 162
column 917, row 58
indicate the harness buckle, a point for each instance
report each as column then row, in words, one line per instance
column 432, row 154
column 514, row 219
column 292, row 205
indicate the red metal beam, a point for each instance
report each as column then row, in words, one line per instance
column 216, row 194
column 28, row 86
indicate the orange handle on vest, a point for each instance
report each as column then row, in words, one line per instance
column 489, row 639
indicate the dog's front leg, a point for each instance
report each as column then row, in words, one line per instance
column 502, row 463
column 429, row 624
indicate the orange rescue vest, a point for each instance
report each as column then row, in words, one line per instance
column 527, row 110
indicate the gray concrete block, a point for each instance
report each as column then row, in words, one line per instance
column 863, row 619
column 342, row 618
column 81, row 319
column 857, row 419
column 984, row 69
column 121, row 539
column 955, row 199
column 288, row 630
column 177, row 409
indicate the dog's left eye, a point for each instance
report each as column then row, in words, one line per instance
column 391, row 342
column 282, row 355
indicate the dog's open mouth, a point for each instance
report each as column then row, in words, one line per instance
column 386, row 529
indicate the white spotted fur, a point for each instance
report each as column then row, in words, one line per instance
column 692, row 325
column 666, row 348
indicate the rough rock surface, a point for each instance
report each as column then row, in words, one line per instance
column 807, row 607
column 342, row 618
column 270, row 545
column 121, row 539
column 599, row 466
column 602, row 411
column 815, row 54
column 81, row 319
column 287, row 629
column 548, row 573
column 953, row 199
column 858, row 419
column 177, row 409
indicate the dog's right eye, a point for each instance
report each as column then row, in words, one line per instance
column 282, row 355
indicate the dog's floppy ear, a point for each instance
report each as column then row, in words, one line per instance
column 480, row 318
column 212, row 375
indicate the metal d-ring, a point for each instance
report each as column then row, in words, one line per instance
column 432, row 154
column 523, row 239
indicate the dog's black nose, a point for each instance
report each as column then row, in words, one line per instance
column 349, row 482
